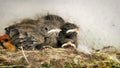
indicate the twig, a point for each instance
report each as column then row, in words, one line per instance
column 24, row 55
column 29, row 51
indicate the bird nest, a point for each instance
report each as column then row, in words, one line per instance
column 50, row 42
column 61, row 58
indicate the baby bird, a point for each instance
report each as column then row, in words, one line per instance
column 50, row 30
column 24, row 34
column 68, row 36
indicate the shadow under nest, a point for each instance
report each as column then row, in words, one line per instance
column 50, row 42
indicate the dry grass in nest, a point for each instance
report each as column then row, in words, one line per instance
column 60, row 58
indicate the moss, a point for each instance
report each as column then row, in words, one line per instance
column 14, row 66
column 46, row 65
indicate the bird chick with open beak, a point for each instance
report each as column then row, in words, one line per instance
column 68, row 36
column 5, row 40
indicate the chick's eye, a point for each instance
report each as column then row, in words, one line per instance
column 46, row 28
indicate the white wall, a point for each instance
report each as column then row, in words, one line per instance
column 98, row 19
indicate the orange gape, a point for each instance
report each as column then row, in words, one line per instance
column 6, row 42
